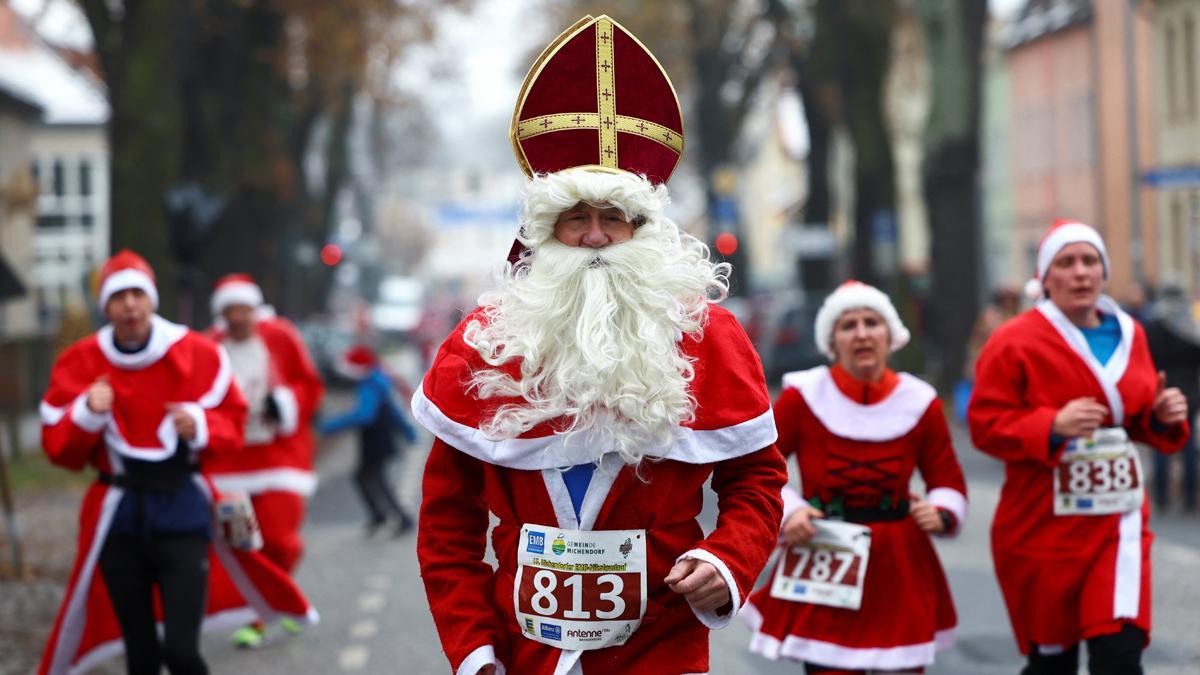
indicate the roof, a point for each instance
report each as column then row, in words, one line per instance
column 20, row 105
column 1039, row 18
column 33, row 70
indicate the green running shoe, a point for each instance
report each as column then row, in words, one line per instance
column 291, row 626
column 247, row 637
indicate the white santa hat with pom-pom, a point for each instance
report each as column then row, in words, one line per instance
column 1063, row 233
column 857, row 295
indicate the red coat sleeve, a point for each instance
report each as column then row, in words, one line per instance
column 1002, row 423
column 219, row 400
column 1141, row 424
column 749, row 511
column 71, row 433
column 945, row 485
column 300, row 374
column 451, row 543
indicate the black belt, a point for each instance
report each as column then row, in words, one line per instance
column 160, row 483
column 875, row 515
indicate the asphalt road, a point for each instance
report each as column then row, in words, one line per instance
column 374, row 618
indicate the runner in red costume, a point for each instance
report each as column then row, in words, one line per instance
column 589, row 399
column 1059, row 393
column 282, row 388
column 859, row 430
column 140, row 401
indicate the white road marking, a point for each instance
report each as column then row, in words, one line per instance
column 363, row 630
column 354, row 657
column 379, row 582
column 371, row 602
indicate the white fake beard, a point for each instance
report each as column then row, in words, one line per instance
column 598, row 332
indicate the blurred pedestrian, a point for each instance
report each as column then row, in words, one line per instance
column 1175, row 345
column 856, row 546
column 1060, row 393
column 1005, row 304
column 275, row 467
column 139, row 400
column 589, row 400
column 377, row 418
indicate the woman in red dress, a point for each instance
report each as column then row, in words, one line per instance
column 859, row 430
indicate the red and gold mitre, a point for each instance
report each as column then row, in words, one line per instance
column 597, row 98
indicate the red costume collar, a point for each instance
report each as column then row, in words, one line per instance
column 866, row 393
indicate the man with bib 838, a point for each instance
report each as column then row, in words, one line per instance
column 1061, row 392
column 589, row 398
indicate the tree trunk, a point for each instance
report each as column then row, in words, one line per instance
column 954, row 35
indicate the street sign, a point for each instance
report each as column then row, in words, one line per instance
column 1172, row 177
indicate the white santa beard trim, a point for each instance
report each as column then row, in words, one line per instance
column 710, row 618
column 839, row 656
column 289, row 410
column 71, row 631
column 691, row 446
column 953, row 501
column 1108, row 374
column 886, row 420
column 296, row 481
column 1127, row 588
column 163, row 336
column 482, row 656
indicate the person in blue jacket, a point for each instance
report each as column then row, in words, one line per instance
column 376, row 416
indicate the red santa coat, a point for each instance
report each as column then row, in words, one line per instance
column 863, row 442
column 284, row 460
column 731, row 440
column 1064, row 578
column 177, row 366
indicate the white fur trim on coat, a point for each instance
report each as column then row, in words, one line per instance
column 953, row 501
column 163, row 336
column 857, row 295
column 799, row 648
column 482, row 656
column 289, row 410
column 886, row 420
column 690, row 446
column 710, row 618
column 297, row 481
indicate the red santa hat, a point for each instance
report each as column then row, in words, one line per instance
column 1061, row 234
column 235, row 289
column 123, row 271
column 857, row 295
column 357, row 362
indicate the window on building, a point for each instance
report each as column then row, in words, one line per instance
column 1189, row 65
column 1172, row 73
column 51, row 220
column 1178, row 237
column 58, row 173
column 85, row 178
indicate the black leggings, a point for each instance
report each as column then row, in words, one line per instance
column 375, row 490
column 178, row 565
column 1113, row 654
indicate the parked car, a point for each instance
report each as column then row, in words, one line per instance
column 786, row 342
